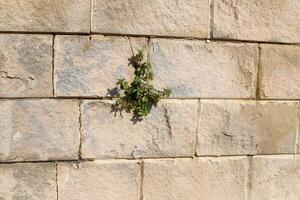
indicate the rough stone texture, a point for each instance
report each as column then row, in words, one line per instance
column 25, row 65
column 34, row 181
column 260, row 20
column 88, row 66
column 113, row 180
column 168, row 17
column 200, row 69
column 247, row 127
column 168, row 131
column 39, row 130
column 45, row 15
column 275, row 178
column 280, row 72
column 194, row 179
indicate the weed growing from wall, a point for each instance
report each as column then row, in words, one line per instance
column 139, row 96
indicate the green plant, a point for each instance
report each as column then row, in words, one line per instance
column 139, row 96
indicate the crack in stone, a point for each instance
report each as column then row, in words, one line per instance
column 4, row 74
column 8, row 76
column 167, row 115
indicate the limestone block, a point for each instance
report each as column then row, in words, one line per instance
column 25, row 65
column 168, row 131
column 247, row 127
column 44, row 129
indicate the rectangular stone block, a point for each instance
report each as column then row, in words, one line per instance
column 247, row 127
column 113, row 180
column 45, row 16
column 259, row 20
column 89, row 66
column 279, row 72
column 165, row 18
column 34, row 181
column 194, row 179
column 33, row 130
column 275, row 178
column 25, row 65
column 204, row 69
column 168, row 131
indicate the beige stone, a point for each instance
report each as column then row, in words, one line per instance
column 280, row 72
column 45, row 15
column 247, row 127
column 201, row 69
column 194, row 179
column 99, row 180
column 275, row 178
column 25, row 65
column 168, row 131
column 89, row 66
column 167, row 18
column 259, row 20
column 45, row 129
column 34, row 181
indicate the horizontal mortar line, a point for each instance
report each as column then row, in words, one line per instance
column 38, row 161
column 147, row 158
column 149, row 36
column 110, row 98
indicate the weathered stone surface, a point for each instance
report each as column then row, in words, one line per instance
column 260, row 20
column 194, row 179
column 25, row 65
column 88, row 66
column 168, row 18
column 45, row 15
column 168, row 131
column 99, row 180
column 280, row 72
column 200, row 69
column 247, row 127
column 39, row 130
column 275, row 178
column 34, row 181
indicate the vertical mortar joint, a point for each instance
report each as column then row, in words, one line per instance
column 56, row 180
column 197, row 127
column 142, row 171
column 80, row 131
column 257, row 89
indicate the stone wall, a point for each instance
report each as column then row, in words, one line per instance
column 229, row 131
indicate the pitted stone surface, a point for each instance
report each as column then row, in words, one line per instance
column 44, row 129
column 89, row 66
column 200, row 69
column 25, row 65
column 247, row 127
column 45, row 16
column 155, row 17
column 259, row 20
column 99, row 180
column 168, row 131
column 34, row 181
column 280, row 72
column 194, row 179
